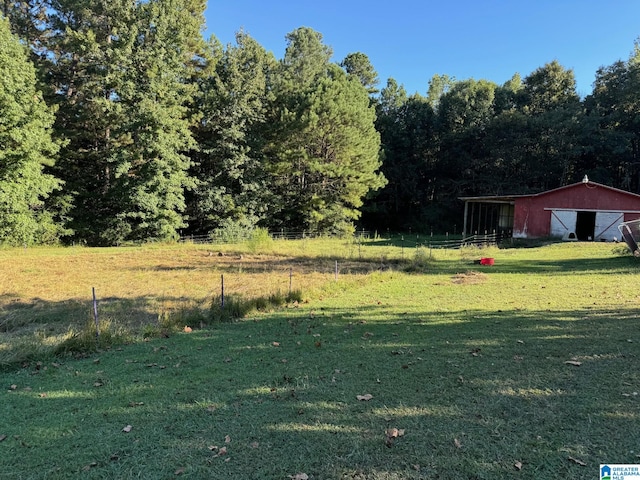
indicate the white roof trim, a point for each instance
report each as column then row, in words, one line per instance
column 590, row 210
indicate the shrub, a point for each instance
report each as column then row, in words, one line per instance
column 232, row 231
column 260, row 240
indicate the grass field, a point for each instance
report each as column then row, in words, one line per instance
column 410, row 365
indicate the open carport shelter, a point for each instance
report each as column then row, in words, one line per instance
column 582, row 211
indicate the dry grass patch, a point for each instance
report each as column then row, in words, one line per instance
column 46, row 293
column 469, row 278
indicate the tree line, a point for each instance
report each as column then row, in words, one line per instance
column 119, row 122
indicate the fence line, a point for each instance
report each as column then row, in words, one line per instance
column 478, row 240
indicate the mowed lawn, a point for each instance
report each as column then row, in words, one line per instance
column 411, row 364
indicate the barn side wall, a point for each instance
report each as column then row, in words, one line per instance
column 532, row 214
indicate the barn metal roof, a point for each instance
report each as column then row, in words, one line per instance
column 511, row 198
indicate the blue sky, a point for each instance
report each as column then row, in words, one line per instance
column 411, row 40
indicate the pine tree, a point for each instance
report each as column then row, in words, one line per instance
column 26, row 148
column 326, row 156
column 122, row 74
column 157, row 93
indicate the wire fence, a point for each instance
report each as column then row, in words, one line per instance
column 437, row 242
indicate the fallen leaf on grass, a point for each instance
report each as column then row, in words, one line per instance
column 395, row 432
column 254, row 444
column 86, row 468
column 518, row 465
column 13, row 387
column 392, row 434
column 179, row 471
column 227, row 439
column 457, row 443
column 3, row 438
column 136, row 404
column 578, row 461
column 275, row 344
column 299, row 476
column 573, row 362
column 98, row 384
column 127, row 429
column 220, row 451
column 364, row 398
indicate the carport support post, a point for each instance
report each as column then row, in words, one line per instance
column 464, row 225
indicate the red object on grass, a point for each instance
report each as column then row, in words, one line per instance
column 486, row 261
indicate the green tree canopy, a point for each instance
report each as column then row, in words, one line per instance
column 26, row 148
column 359, row 65
column 229, row 165
column 122, row 73
column 325, row 155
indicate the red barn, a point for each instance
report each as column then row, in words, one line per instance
column 582, row 211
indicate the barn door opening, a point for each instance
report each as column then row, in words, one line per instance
column 585, row 225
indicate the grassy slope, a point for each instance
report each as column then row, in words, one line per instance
column 469, row 362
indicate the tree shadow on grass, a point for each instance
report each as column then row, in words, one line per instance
column 475, row 392
column 498, row 383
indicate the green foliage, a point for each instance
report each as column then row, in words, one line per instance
column 228, row 164
column 26, row 149
column 358, row 65
column 123, row 82
column 84, row 340
column 477, row 138
column 236, row 307
column 260, row 241
column 614, row 112
column 158, row 133
column 327, row 153
column 438, row 86
column 421, row 261
column 233, row 231
column 408, row 131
